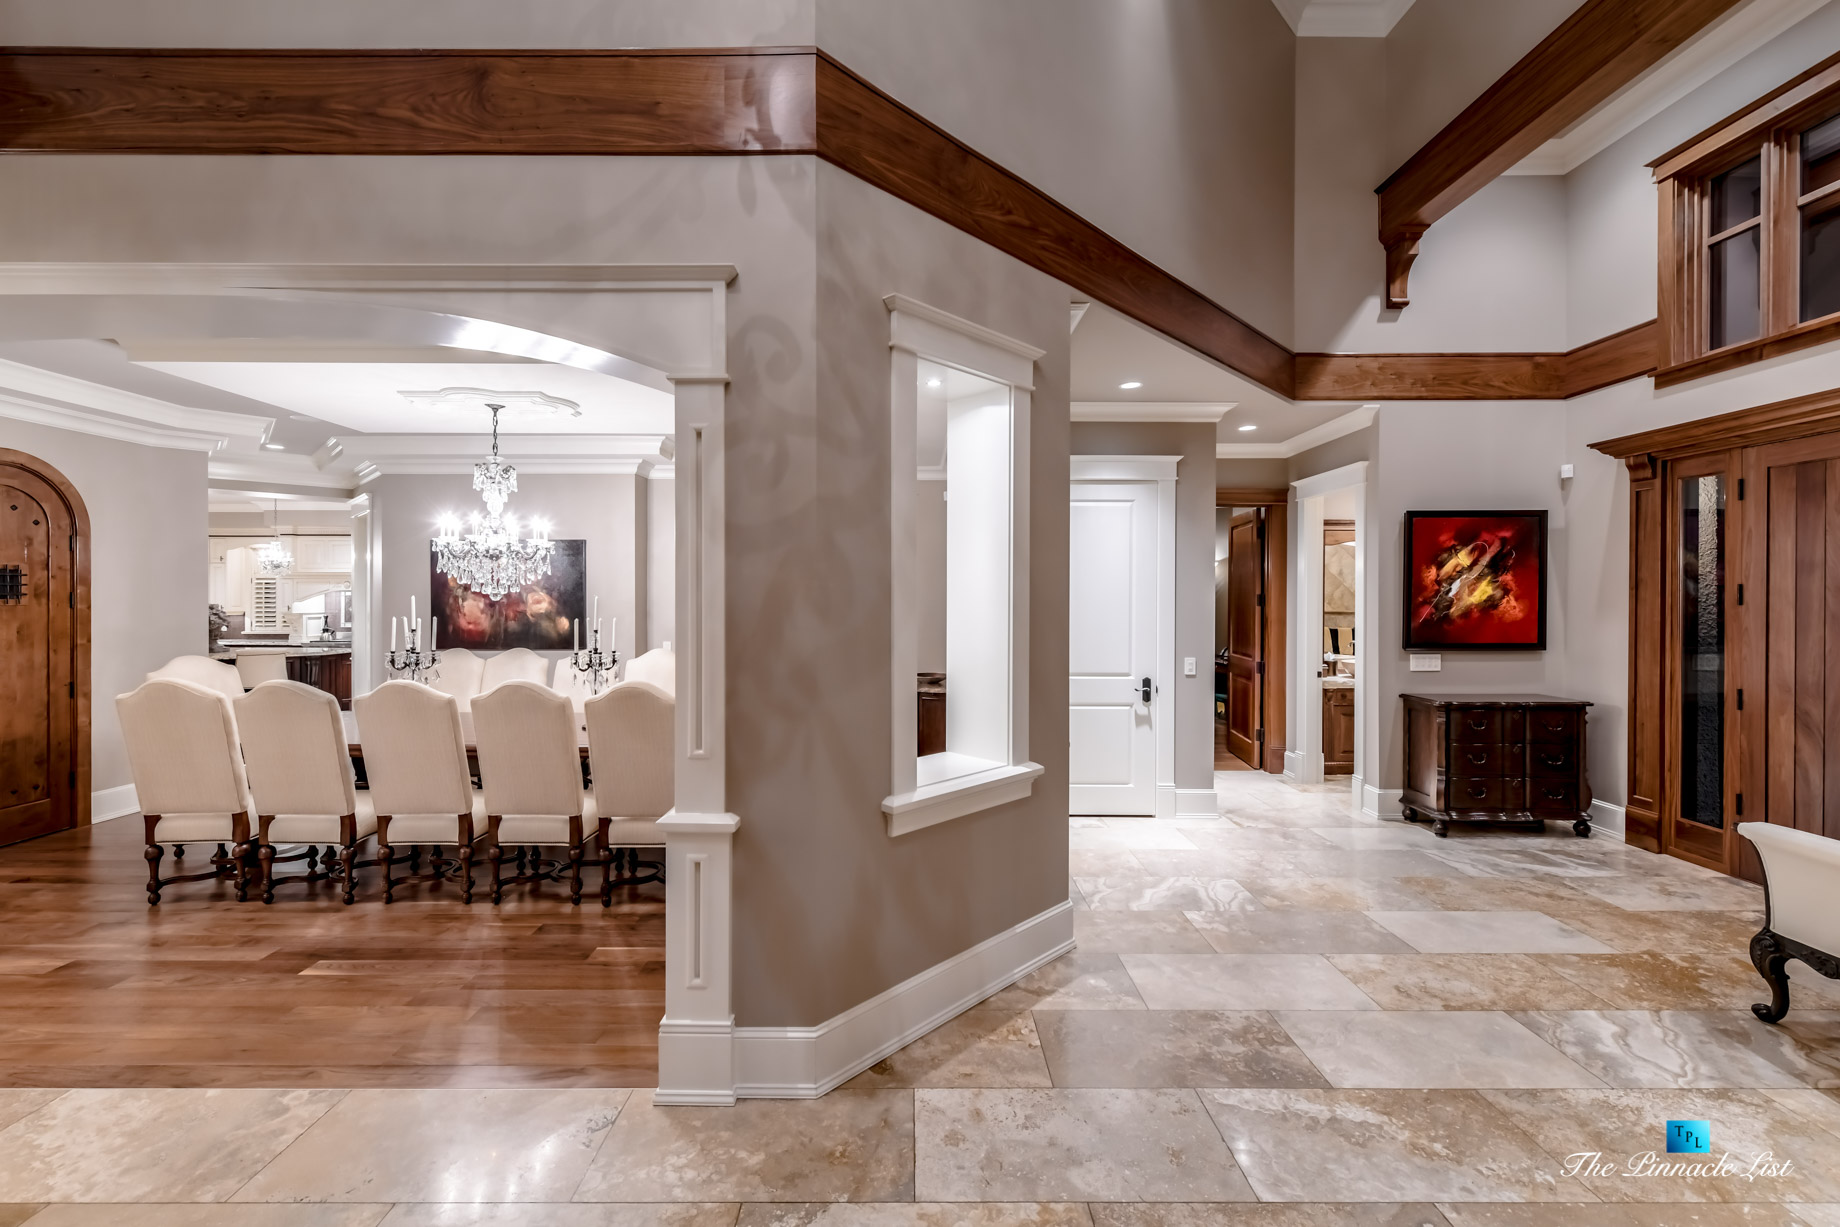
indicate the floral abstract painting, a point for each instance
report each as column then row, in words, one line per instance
column 1475, row 580
column 542, row 616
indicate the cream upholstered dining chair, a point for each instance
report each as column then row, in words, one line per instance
column 201, row 671
column 658, row 666
column 631, row 743
column 421, row 788
column 299, row 767
column 458, row 674
column 515, row 665
column 566, row 679
column 258, row 665
column 188, row 777
column 530, row 765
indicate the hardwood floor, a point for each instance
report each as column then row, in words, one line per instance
column 99, row 990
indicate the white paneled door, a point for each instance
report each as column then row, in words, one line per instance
column 1113, row 587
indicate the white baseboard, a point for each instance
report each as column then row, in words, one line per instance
column 1607, row 819
column 1379, row 802
column 1173, row 802
column 1293, row 765
column 113, row 803
column 806, row 1062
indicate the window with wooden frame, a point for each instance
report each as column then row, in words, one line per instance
column 1750, row 232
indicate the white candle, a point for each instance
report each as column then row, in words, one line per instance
column 613, row 638
column 597, row 611
column 577, row 628
column 392, row 634
column 434, row 633
column 412, row 618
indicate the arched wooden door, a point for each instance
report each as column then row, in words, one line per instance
column 44, row 651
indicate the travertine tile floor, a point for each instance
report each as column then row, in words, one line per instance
column 1288, row 1016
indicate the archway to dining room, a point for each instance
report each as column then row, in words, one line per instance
column 218, row 417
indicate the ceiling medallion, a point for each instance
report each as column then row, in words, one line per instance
column 457, row 397
column 492, row 558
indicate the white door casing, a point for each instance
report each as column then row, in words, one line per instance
column 1121, row 544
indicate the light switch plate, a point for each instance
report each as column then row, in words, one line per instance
column 1427, row 662
column 1188, row 666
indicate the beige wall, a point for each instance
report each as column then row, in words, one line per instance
column 1166, row 124
column 148, row 575
column 660, row 562
column 829, row 909
column 1194, row 696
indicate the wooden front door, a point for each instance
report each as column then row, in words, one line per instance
column 1246, row 636
column 1791, row 616
column 39, row 742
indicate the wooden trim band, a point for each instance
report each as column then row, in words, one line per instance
column 1599, row 49
column 1796, row 418
column 1480, row 376
column 1237, row 496
column 740, row 101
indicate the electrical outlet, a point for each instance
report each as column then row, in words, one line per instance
column 1426, row 662
column 1188, row 666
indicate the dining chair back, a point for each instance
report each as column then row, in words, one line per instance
column 530, row 767
column 188, row 772
column 516, row 665
column 458, row 674
column 632, row 755
column 300, row 773
column 631, row 743
column 201, row 671
column 566, row 679
column 415, row 762
column 258, row 665
column 658, row 667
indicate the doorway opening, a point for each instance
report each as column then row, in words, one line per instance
column 1327, row 677
column 1250, row 531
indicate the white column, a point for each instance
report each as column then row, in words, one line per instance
column 696, row 1037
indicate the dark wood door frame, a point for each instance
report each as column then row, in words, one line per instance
column 79, row 638
column 1274, row 505
column 1655, row 461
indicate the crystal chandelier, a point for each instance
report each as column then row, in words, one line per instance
column 272, row 557
column 492, row 558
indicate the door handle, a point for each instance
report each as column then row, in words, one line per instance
column 1144, row 690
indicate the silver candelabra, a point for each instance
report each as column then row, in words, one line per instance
column 413, row 662
column 594, row 662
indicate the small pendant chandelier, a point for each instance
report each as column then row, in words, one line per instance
column 492, row 558
column 272, row 557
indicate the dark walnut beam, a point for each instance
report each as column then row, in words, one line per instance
column 1549, row 376
column 406, row 102
column 784, row 100
column 863, row 131
column 1595, row 52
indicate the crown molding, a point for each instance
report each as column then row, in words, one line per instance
column 368, row 457
column 1334, row 428
column 1343, row 18
column 1718, row 47
column 1149, row 411
column 32, row 394
column 53, row 277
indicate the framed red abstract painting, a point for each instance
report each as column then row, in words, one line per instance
column 1475, row 581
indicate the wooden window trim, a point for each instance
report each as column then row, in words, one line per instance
column 1770, row 130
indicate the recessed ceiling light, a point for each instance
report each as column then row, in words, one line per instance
column 933, row 383
column 303, row 417
column 275, row 447
column 1249, row 426
column 1129, row 384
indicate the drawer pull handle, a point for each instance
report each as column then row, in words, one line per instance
column 1555, row 794
column 1477, row 790
column 1479, row 725
column 1478, row 758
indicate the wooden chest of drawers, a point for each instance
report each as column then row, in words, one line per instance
column 1495, row 758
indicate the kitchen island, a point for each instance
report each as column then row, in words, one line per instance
column 324, row 666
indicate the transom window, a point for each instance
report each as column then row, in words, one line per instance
column 1750, row 241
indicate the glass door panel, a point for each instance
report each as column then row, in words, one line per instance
column 1702, row 568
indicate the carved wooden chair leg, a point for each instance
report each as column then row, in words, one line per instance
column 265, row 857
column 577, row 849
column 348, row 855
column 154, row 852
column 1771, row 960
column 313, row 861
column 385, row 854
column 495, row 854
column 178, row 853
column 604, row 836
column 243, row 851
column 466, row 858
